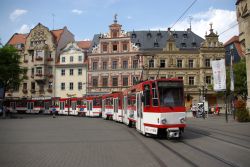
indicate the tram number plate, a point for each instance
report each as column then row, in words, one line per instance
column 151, row 130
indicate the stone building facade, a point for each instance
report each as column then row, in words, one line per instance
column 40, row 53
column 71, row 72
column 243, row 18
column 157, row 54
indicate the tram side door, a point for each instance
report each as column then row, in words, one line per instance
column 73, row 106
column 103, row 107
column 89, row 106
column 125, row 108
column 62, row 106
column 116, row 109
column 30, row 106
column 139, row 122
column 13, row 106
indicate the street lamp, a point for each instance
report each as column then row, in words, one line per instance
column 232, row 78
column 203, row 92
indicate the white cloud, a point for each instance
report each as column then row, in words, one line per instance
column 221, row 20
column 129, row 17
column 17, row 13
column 76, row 11
column 24, row 29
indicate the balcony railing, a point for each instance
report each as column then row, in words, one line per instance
column 49, row 59
column 39, row 58
column 25, row 61
column 39, row 75
column 49, row 90
column 41, row 91
column 50, row 75
column 33, row 91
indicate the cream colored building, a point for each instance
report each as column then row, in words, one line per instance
column 188, row 60
column 71, row 72
column 243, row 18
column 40, row 50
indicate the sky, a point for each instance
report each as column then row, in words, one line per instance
column 84, row 18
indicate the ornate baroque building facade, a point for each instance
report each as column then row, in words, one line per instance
column 243, row 18
column 113, row 61
column 40, row 50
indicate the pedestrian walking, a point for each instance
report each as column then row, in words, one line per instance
column 54, row 112
column 217, row 109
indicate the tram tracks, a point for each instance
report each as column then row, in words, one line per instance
column 221, row 139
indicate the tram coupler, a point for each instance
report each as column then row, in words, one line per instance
column 173, row 133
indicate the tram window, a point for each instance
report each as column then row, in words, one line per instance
column 155, row 96
column 146, row 94
column 78, row 102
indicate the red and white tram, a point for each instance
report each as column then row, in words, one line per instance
column 93, row 106
column 157, row 107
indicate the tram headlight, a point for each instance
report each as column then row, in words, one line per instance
column 164, row 121
column 183, row 120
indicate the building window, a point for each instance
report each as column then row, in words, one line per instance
column 95, row 64
column 71, row 86
column 79, row 85
column 208, row 79
column 207, row 62
column 71, row 71
column 151, row 63
column 104, row 65
column 50, row 85
column 62, row 72
column 191, row 63
column 135, row 80
column 71, row 59
column 180, row 78
column 33, row 85
column 39, row 70
column 125, row 81
column 63, row 59
column 80, row 58
column 162, row 63
column 114, row 64
column 125, row 64
column 115, row 34
column 24, row 86
column 179, row 63
column 79, row 71
column 191, row 80
column 183, row 45
column 62, row 86
column 125, row 47
column 105, row 82
column 32, row 71
column 94, row 82
column 115, row 48
column 114, row 81
column 135, row 63
column 104, row 47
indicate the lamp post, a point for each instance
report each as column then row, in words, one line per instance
column 203, row 92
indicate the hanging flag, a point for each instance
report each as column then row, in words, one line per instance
column 219, row 75
column 231, row 71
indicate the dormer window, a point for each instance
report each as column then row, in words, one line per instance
column 194, row 44
column 138, row 43
column 159, row 34
column 133, row 35
column 183, row 45
column 175, row 35
column 149, row 35
column 185, row 36
column 156, row 44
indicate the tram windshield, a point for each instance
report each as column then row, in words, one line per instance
column 170, row 93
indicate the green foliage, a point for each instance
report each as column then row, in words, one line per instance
column 242, row 113
column 11, row 73
column 240, row 79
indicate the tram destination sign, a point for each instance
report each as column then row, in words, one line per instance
column 170, row 84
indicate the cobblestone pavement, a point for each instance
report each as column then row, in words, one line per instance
column 37, row 140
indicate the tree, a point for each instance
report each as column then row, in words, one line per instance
column 240, row 79
column 11, row 73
